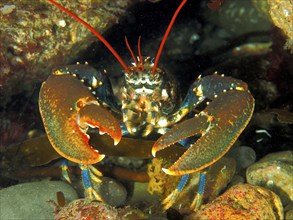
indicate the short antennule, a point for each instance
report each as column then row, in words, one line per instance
column 166, row 35
column 139, row 54
column 99, row 36
column 132, row 54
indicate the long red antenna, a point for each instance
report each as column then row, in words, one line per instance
column 100, row 37
column 166, row 35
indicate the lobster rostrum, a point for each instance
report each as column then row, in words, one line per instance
column 77, row 97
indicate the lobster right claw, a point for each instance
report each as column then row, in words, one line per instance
column 219, row 124
column 68, row 108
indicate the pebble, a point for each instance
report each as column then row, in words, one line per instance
column 86, row 209
column 244, row 156
column 242, row 202
column 274, row 172
column 289, row 211
column 112, row 192
column 30, row 200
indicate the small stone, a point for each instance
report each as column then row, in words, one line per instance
column 242, row 202
column 289, row 215
column 30, row 200
column 237, row 179
column 86, row 209
column 129, row 213
column 244, row 156
column 112, row 192
column 274, row 172
column 289, row 211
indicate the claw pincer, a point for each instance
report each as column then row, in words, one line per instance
column 68, row 109
column 219, row 125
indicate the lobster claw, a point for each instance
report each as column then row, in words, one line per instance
column 68, row 108
column 219, row 124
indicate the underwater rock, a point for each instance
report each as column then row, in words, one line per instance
column 274, row 172
column 34, row 37
column 30, row 200
column 112, row 192
column 242, row 202
column 129, row 213
column 244, row 156
column 85, row 209
column 289, row 211
column 237, row 179
column 239, row 17
column 280, row 12
column 263, row 7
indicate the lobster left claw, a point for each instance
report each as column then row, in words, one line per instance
column 68, row 108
